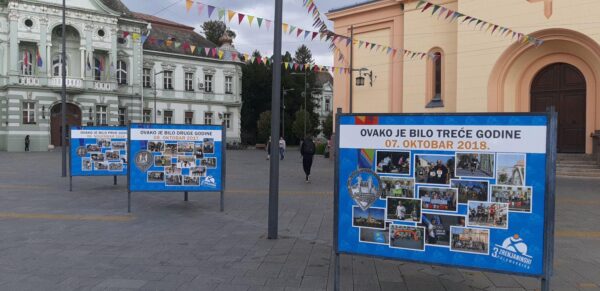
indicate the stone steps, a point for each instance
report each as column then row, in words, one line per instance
column 577, row 165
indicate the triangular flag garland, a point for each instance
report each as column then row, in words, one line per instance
column 468, row 20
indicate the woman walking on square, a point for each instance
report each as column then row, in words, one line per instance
column 269, row 148
column 307, row 150
column 281, row 148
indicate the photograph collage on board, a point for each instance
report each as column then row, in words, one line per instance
column 103, row 155
column 452, row 200
column 181, row 163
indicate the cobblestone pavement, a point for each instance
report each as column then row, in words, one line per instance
column 53, row 239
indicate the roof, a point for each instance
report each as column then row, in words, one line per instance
column 117, row 6
column 352, row 6
column 322, row 78
column 163, row 29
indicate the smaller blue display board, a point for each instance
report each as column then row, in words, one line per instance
column 175, row 158
column 98, row 151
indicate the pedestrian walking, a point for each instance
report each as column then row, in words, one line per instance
column 27, row 141
column 269, row 148
column 282, row 146
column 307, row 150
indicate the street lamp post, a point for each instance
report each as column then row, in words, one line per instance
column 148, row 28
column 155, row 92
column 283, row 111
column 63, row 105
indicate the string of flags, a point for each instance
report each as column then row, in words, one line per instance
column 320, row 24
column 452, row 15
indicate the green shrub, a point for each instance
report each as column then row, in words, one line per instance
column 320, row 148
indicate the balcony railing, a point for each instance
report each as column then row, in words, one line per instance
column 29, row 81
column 71, row 82
column 105, row 86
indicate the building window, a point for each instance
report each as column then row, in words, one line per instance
column 208, row 82
column 26, row 63
column 189, row 117
column 189, row 81
column 28, row 112
column 168, row 80
column 327, row 104
column 101, row 115
column 147, row 115
column 57, row 66
column 99, row 68
column 121, row 72
column 435, row 77
column 168, row 117
column 228, row 84
column 122, row 115
column 146, row 78
column 208, row 117
column 227, row 119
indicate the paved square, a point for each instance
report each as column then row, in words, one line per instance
column 53, row 239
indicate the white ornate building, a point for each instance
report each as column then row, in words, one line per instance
column 323, row 95
column 110, row 77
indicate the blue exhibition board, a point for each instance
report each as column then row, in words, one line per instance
column 175, row 158
column 457, row 190
column 98, row 151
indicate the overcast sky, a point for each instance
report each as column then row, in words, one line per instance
column 249, row 38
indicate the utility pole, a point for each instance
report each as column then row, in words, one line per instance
column 63, row 105
column 351, row 65
column 275, row 106
column 305, row 98
column 283, row 111
column 155, row 93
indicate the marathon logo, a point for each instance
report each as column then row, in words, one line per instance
column 513, row 251
column 209, row 181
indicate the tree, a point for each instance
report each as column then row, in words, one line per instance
column 328, row 126
column 264, row 126
column 256, row 97
column 215, row 29
column 303, row 55
column 298, row 125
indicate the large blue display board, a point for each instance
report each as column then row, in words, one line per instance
column 98, row 151
column 175, row 158
column 459, row 190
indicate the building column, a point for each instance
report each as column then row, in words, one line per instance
column 49, row 60
column 43, row 51
column 82, row 53
column 14, row 44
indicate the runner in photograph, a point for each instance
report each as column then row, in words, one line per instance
column 470, row 240
column 475, row 165
column 470, row 190
column 487, row 214
column 434, row 169
column 397, row 187
column 437, row 198
column 517, row 197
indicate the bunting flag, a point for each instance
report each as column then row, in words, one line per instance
column 240, row 18
column 480, row 24
column 188, row 5
column 200, row 8
column 221, row 14
column 135, row 36
column 211, row 9
column 250, row 19
column 230, row 14
column 192, row 48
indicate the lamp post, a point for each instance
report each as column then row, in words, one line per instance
column 64, row 91
column 283, row 111
column 148, row 28
column 155, row 92
column 305, row 97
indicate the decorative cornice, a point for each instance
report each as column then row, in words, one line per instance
column 168, row 67
column 189, row 69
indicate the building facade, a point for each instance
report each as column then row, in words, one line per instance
column 476, row 71
column 323, row 95
column 110, row 74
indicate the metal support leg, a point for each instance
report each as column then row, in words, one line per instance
column 115, row 180
column 128, row 201
column 70, row 183
column 336, row 275
column 185, row 196
column 545, row 284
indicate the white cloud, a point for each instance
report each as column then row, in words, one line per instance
column 248, row 38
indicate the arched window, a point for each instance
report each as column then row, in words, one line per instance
column 435, row 79
column 57, row 65
column 26, row 62
column 121, row 72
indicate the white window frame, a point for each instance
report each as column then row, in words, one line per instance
column 147, row 118
column 170, row 118
column 26, row 70
column 28, row 112
column 208, row 118
column 101, row 115
column 168, row 80
column 189, row 82
column 208, row 83
column 146, row 77
column 57, row 66
column 121, row 72
column 227, row 119
column 228, row 84
column 122, row 116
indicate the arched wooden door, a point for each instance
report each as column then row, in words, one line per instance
column 563, row 86
column 73, row 119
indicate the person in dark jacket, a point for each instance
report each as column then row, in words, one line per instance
column 307, row 150
column 27, row 141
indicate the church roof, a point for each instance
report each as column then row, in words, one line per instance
column 322, row 78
